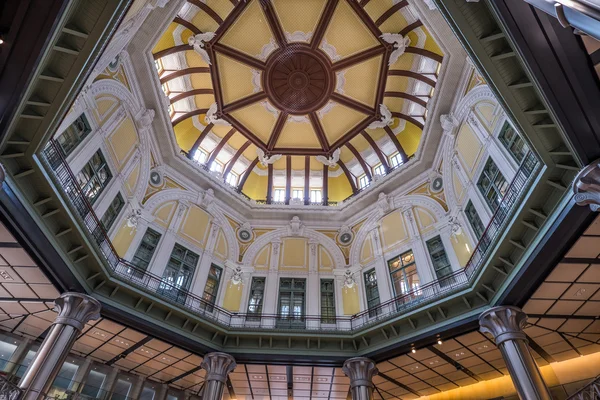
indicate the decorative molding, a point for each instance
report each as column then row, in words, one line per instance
column 586, row 186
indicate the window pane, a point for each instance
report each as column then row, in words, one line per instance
column 474, row 220
column 513, row 142
column 146, row 249
column 179, row 272
column 291, row 302
column 257, row 289
column 74, row 135
column 441, row 264
column 372, row 292
column 327, row 301
column 211, row 287
column 94, row 177
column 113, row 210
column 492, row 184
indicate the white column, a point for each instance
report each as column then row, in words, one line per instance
column 424, row 267
column 313, row 286
column 165, row 247
column 272, row 286
column 445, row 233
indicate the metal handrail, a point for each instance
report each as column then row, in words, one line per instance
column 8, row 390
column 589, row 392
column 181, row 297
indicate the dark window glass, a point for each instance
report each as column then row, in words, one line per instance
column 492, row 184
column 439, row 259
column 179, row 273
column 257, row 293
column 94, row 177
column 292, row 294
column 145, row 251
column 372, row 292
column 327, row 301
column 403, row 272
column 513, row 142
column 474, row 220
column 74, row 134
column 212, row 287
column 113, row 210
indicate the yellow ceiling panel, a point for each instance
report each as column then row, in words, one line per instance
column 193, row 59
column 257, row 119
column 298, row 163
column 393, row 103
column 346, row 155
column 347, row 33
column 201, row 81
column 375, row 9
column 237, row 140
column 251, row 32
column 298, row 135
column 339, row 121
column 220, row 130
column 280, row 164
column 236, row 79
column 204, row 100
column 362, row 79
column 360, row 143
column 394, row 23
column 376, row 134
column 186, row 134
column 430, row 43
column 223, row 8
column 250, row 153
column 166, row 40
column 410, row 138
column 315, row 165
column 396, row 84
column 299, row 15
column 405, row 62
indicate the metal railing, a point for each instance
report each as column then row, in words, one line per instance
column 589, row 392
column 8, row 390
column 182, row 298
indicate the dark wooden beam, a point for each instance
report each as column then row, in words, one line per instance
column 383, row 78
column 407, row 118
column 187, row 24
column 172, row 50
column 281, row 120
column 411, row 74
column 245, row 131
column 274, row 23
column 358, row 58
column 364, row 2
column 396, row 142
column 323, row 23
column 409, row 28
column 288, row 179
column 366, row 168
column 215, row 77
column 246, row 101
column 377, row 150
column 269, row 183
column 393, row 9
column 349, row 175
column 189, row 93
column 222, row 143
column 353, row 104
column 294, row 151
column 204, row 7
column 190, row 114
column 247, row 173
column 239, row 56
column 424, row 53
column 235, row 157
column 325, row 184
column 411, row 97
column 185, row 71
column 229, row 20
column 306, row 180
column 353, row 132
column 366, row 19
column 318, row 128
column 198, row 141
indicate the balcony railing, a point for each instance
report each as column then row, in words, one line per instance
column 169, row 292
column 589, row 392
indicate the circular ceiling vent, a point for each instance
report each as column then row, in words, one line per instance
column 346, row 238
column 156, row 178
column 437, row 184
column 244, row 235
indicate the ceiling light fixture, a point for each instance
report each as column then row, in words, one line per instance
column 439, row 341
column 413, row 350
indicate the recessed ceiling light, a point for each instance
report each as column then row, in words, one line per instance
column 439, row 342
column 413, row 351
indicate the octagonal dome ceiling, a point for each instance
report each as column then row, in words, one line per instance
column 298, row 100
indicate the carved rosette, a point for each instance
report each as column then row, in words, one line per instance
column 586, row 186
column 76, row 309
column 504, row 323
column 218, row 366
column 360, row 370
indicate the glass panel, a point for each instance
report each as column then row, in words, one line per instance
column 372, row 292
column 113, row 210
column 74, row 135
column 327, row 301
column 492, row 184
column 212, row 286
column 474, row 220
column 93, row 384
column 146, row 249
column 513, row 142
column 316, row 196
column 441, row 264
column 94, row 177
column 257, row 289
column 291, row 301
column 178, row 274
column 7, row 348
column 121, row 390
column 405, row 279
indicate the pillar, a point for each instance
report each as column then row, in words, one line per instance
column 360, row 370
column 218, row 366
column 506, row 324
column 74, row 311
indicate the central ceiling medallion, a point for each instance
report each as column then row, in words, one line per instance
column 299, row 79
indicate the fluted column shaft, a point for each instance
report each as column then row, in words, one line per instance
column 506, row 324
column 74, row 311
column 218, row 366
column 360, row 370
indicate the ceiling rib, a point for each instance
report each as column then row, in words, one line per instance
column 239, row 56
column 323, row 23
column 198, row 141
column 189, row 93
column 408, row 118
column 235, row 157
column 217, row 150
column 182, row 72
column 247, row 173
column 245, row 131
column 187, row 24
column 281, row 120
column 246, row 101
column 215, row 78
column 386, row 15
column 366, row 19
column 291, row 151
column 358, row 58
column 409, row 28
column 204, row 7
column 424, row 53
column 361, row 161
column 189, row 115
column 316, row 124
column 229, row 20
column 377, row 150
column 353, row 132
column 399, row 147
column 349, row 176
column 411, row 74
column 171, row 50
column 274, row 23
column 353, row 104
column 411, row 97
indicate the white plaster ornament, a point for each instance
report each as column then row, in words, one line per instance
column 198, row 41
column 386, row 118
column 211, row 116
column 266, row 160
column 400, row 44
column 330, row 161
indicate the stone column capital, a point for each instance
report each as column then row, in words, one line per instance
column 218, row 366
column 504, row 323
column 76, row 309
column 360, row 370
